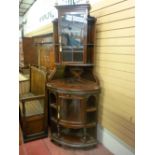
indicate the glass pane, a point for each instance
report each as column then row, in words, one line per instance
column 72, row 35
column 78, row 56
column 67, row 56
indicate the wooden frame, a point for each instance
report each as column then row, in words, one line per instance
column 72, row 114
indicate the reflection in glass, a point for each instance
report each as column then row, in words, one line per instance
column 72, row 36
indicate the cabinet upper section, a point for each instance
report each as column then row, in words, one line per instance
column 74, row 35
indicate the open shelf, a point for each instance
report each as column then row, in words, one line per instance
column 92, row 109
column 53, row 105
column 54, row 119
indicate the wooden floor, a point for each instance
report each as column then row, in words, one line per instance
column 46, row 147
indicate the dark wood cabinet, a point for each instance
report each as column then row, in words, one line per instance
column 27, row 55
column 37, row 51
column 29, row 51
column 73, row 90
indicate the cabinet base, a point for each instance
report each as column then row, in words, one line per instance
column 74, row 142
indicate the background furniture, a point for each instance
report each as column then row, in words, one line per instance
column 33, row 108
column 44, row 47
column 27, row 53
column 36, row 51
column 24, row 71
column 72, row 92
column 24, row 84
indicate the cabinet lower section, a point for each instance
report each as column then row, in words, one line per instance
column 75, row 140
column 79, row 136
column 73, row 116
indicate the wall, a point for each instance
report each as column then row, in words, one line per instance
column 39, row 18
column 114, row 65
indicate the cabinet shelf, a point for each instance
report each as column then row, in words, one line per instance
column 69, row 125
column 77, row 126
column 53, row 105
column 89, row 125
column 42, row 43
column 92, row 109
column 74, row 140
column 53, row 119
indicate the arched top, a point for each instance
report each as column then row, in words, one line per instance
column 91, row 102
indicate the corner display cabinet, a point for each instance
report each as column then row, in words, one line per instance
column 73, row 90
